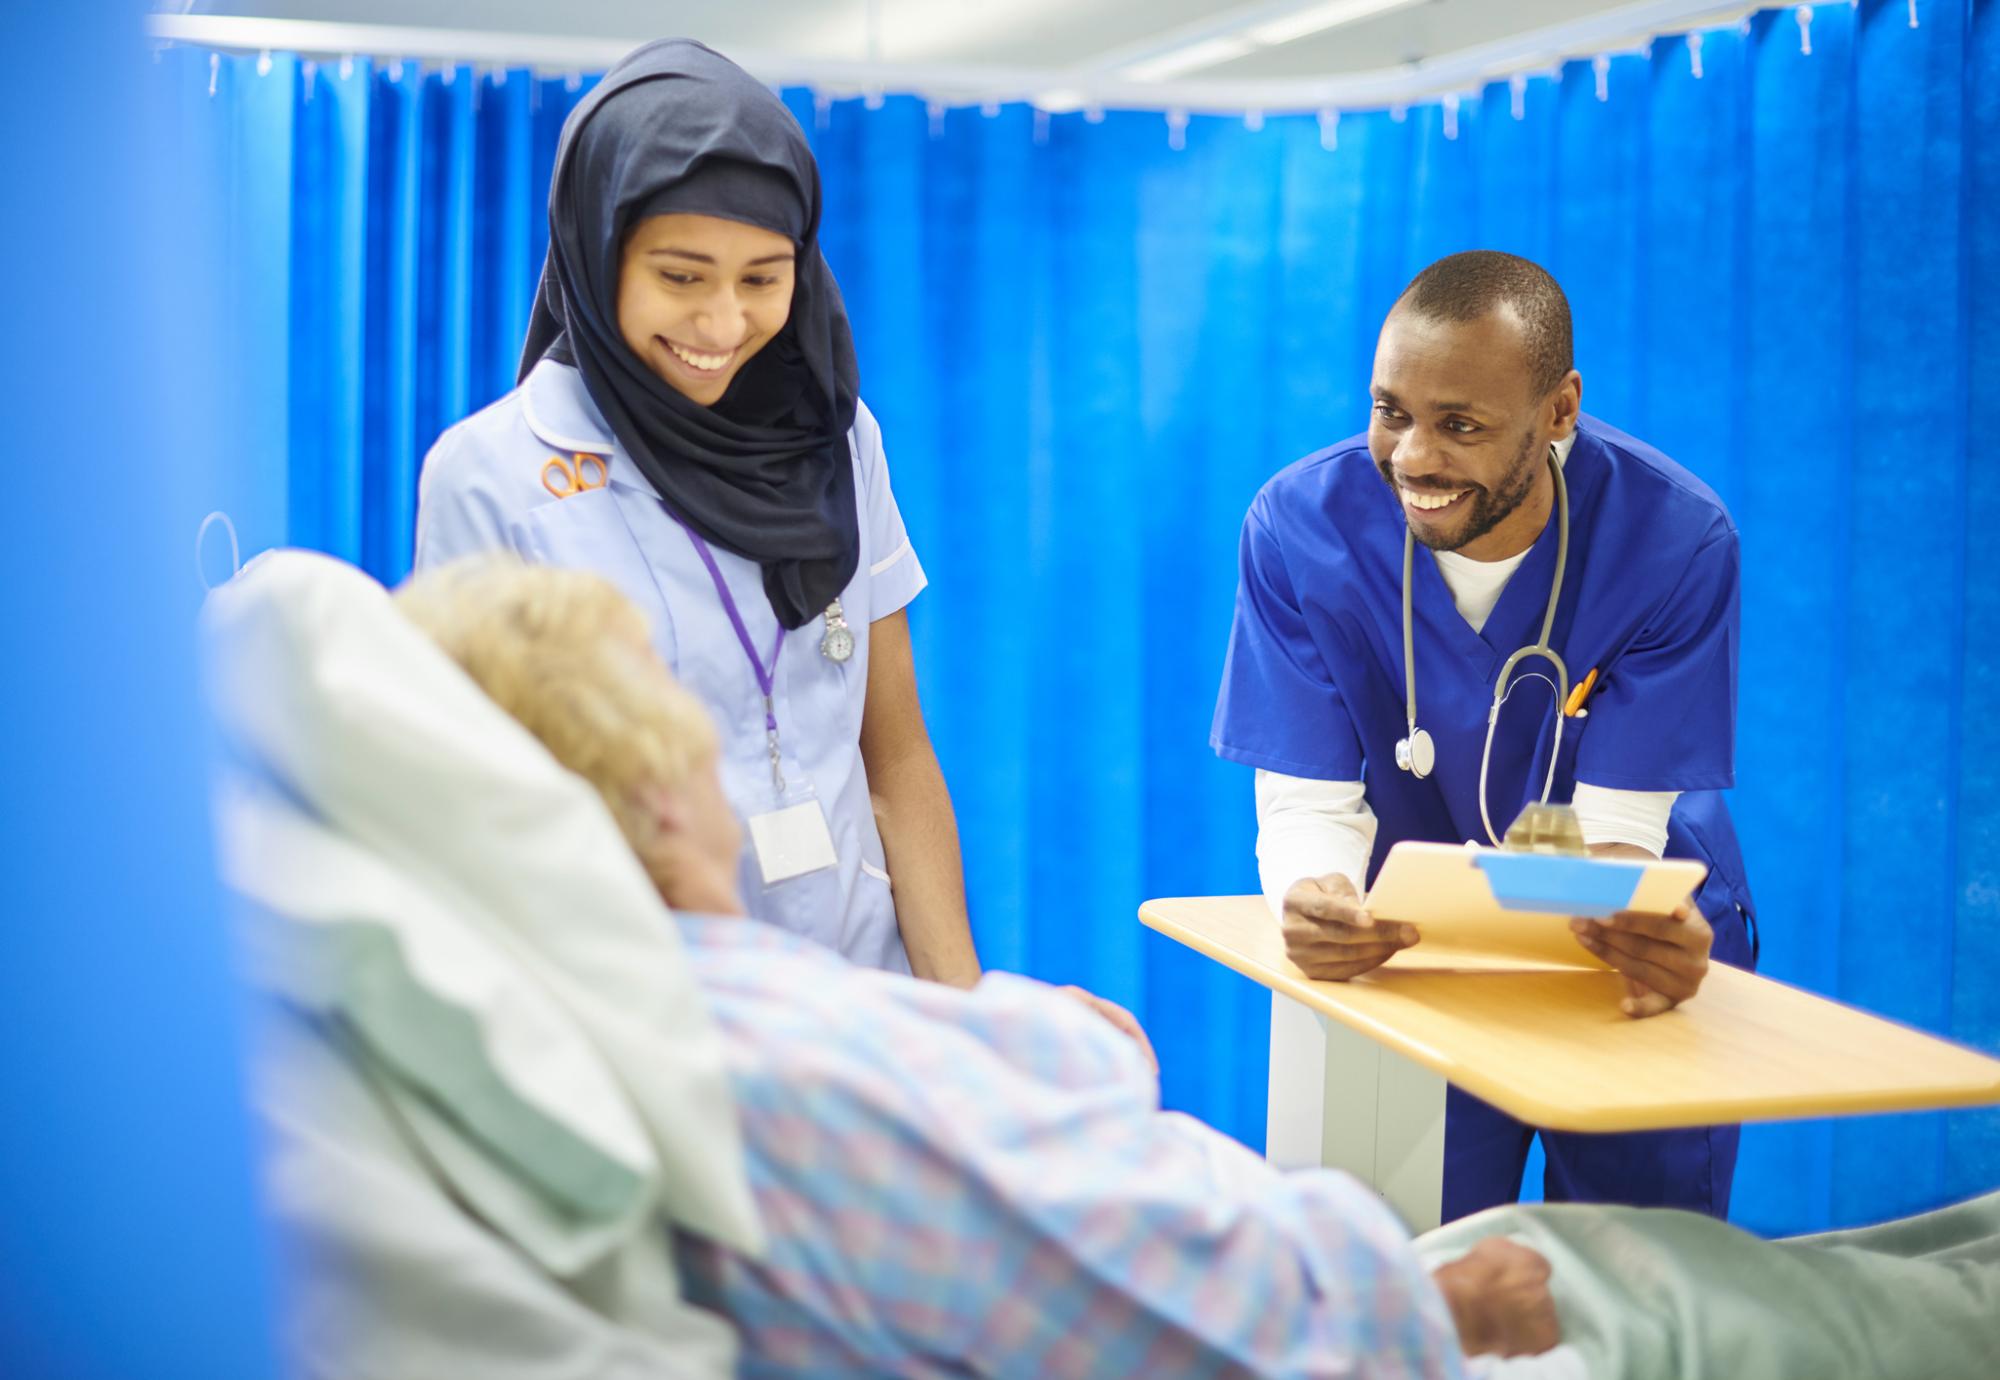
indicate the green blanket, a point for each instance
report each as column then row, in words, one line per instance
column 1657, row 1295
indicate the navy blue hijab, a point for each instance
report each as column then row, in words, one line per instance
column 765, row 472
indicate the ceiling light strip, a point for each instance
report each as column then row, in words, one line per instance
column 1626, row 28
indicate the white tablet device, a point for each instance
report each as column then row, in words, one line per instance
column 1519, row 905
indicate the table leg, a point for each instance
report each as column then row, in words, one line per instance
column 1340, row 1100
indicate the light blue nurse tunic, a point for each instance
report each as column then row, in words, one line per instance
column 482, row 490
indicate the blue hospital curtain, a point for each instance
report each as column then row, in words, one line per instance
column 131, row 1246
column 1091, row 338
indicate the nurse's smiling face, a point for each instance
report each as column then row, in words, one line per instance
column 1461, row 433
column 699, row 296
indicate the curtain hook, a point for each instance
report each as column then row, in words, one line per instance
column 989, row 108
column 264, row 63
column 1694, row 55
column 1601, row 65
column 201, row 537
column 1093, row 114
column 1517, row 90
column 1177, row 123
column 934, row 112
column 1041, row 127
column 214, row 71
column 1804, row 15
column 1253, row 120
column 1329, row 129
column 1451, row 117
column 1913, row 13
column 822, row 110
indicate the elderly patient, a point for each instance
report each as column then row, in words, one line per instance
column 957, row 1182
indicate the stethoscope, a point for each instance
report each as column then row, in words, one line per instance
column 1416, row 753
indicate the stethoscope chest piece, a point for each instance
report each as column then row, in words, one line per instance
column 1416, row 754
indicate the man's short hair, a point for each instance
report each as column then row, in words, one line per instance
column 569, row 657
column 1465, row 287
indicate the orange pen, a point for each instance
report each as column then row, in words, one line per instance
column 1578, row 696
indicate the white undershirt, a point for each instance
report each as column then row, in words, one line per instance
column 1309, row 828
column 1476, row 586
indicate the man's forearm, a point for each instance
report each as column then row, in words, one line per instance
column 920, row 843
column 1308, row 828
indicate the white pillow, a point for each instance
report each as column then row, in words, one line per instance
column 428, row 876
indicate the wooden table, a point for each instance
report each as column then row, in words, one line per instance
column 1358, row 1069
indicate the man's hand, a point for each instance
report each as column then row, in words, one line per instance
column 1126, row 1023
column 1499, row 1297
column 1330, row 936
column 1662, row 957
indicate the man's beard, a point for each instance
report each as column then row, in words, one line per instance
column 1490, row 507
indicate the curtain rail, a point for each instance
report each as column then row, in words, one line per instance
column 1627, row 28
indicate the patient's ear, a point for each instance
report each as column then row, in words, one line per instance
column 671, row 809
column 655, row 826
column 664, row 809
column 693, row 870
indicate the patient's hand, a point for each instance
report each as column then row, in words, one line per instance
column 1126, row 1023
column 1330, row 936
column 1663, row 957
column 1499, row 1297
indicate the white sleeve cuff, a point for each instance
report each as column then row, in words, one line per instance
column 1308, row 828
column 1635, row 817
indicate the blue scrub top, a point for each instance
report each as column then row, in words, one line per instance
column 482, row 490
column 1313, row 685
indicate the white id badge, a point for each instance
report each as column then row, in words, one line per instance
column 792, row 841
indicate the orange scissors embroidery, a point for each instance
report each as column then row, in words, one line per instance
column 567, row 478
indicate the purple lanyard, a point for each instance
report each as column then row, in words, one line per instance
column 767, row 676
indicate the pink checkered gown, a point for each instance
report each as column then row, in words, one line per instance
column 982, row 1183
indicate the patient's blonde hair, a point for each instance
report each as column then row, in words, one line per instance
column 568, row 656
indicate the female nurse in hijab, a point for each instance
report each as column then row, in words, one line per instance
column 687, row 424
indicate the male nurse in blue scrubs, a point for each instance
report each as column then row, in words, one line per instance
column 1475, row 403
